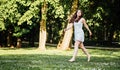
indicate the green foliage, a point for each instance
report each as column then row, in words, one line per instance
column 33, row 11
column 100, row 17
column 58, row 9
column 2, row 26
column 19, row 32
column 8, row 13
column 13, row 13
column 24, row 2
column 57, row 15
column 21, row 16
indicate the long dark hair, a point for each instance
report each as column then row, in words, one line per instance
column 73, row 19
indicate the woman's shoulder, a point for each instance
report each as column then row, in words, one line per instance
column 82, row 19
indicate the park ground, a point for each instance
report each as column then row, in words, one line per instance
column 54, row 59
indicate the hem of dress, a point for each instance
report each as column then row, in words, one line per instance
column 79, row 41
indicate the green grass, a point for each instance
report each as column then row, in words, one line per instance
column 52, row 59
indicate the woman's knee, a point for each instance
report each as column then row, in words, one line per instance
column 81, row 45
column 77, row 43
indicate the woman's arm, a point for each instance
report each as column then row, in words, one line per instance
column 69, row 27
column 86, row 26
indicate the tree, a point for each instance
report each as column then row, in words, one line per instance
column 17, row 18
column 20, row 18
column 57, row 10
column 42, row 33
column 66, row 41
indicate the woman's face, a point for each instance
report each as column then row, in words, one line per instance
column 79, row 13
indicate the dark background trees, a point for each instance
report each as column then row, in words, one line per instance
column 19, row 21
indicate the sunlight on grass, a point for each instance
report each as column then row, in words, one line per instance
column 53, row 59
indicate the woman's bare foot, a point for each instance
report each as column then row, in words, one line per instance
column 71, row 60
column 88, row 58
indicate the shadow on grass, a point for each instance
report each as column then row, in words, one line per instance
column 56, row 62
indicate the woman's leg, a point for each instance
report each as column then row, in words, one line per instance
column 85, row 51
column 75, row 51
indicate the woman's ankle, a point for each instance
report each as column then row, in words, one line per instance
column 88, row 58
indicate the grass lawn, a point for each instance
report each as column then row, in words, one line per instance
column 53, row 59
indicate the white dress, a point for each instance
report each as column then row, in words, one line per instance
column 78, row 31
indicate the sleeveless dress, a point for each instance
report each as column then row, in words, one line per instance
column 78, row 31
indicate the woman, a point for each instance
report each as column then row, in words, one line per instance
column 78, row 21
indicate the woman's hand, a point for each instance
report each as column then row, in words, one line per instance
column 68, row 27
column 90, row 33
column 65, row 30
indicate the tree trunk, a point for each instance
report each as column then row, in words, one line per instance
column 10, row 39
column 19, row 43
column 42, row 33
column 65, row 42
